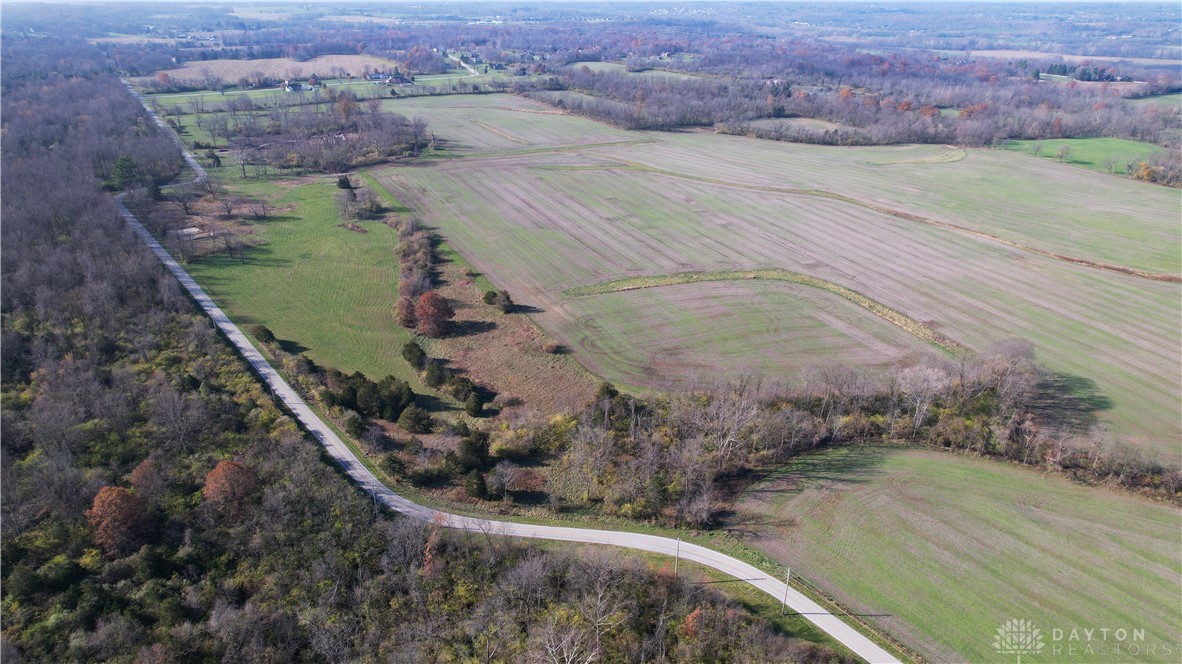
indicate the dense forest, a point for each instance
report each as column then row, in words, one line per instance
column 159, row 507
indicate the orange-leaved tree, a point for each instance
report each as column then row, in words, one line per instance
column 119, row 519
column 228, row 486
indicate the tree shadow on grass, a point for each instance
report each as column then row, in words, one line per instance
column 433, row 404
column 293, row 347
column 468, row 328
column 1068, row 402
column 846, row 465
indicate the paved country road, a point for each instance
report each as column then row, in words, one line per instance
column 831, row 624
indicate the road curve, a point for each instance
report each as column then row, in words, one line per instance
column 831, row 624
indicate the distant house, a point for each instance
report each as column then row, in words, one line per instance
column 296, row 86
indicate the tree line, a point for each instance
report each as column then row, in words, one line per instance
column 676, row 458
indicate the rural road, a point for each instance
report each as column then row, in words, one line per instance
column 797, row 602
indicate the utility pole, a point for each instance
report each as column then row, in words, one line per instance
column 677, row 556
column 787, row 578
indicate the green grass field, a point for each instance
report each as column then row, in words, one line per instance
column 946, row 548
column 1091, row 153
column 1169, row 101
column 322, row 289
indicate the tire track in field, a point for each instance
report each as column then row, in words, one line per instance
column 900, row 214
column 908, row 324
column 500, row 132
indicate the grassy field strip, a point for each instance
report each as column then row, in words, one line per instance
column 906, row 216
column 942, row 158
column 559, row 149
column 892, row 531
column 905, row 322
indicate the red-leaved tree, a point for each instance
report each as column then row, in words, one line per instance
column 434, row 314
column 119, row 519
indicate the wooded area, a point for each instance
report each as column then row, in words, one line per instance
column 158, row 506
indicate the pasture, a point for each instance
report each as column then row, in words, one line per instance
column 945, row 548
column 324, row 66
column 323, row 290
column 547, row 215
column 1096, row 154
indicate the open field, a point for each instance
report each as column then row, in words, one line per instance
column 323, row 66
column 894, row 532
column 322, row 289
column 499, row 123
column 358, row 87
column 618, row 68
column 540, row 222
column 1017, row 54
column 811, row 124
column 1087, row 215
column 1091, row 153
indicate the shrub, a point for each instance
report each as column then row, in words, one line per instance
column 436, row 374
column 415, row 420
column 262, row 333
column 475, row 486
column 473, row 405
column 355, row 426
column 413, row 354
column 392, row 465
column 499, row 299
column 473, row 451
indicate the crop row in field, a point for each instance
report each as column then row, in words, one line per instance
column 894, row 533
column 1035, row 202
